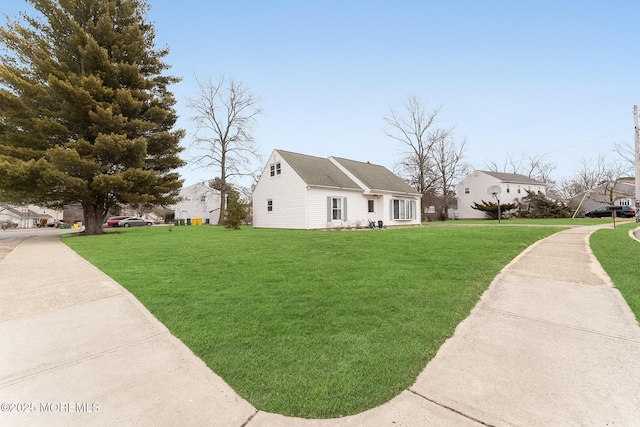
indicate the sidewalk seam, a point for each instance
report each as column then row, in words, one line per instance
column 81, row 359
column 451, row 409
column 120, row 293
column 252, row 416
column 546, row 322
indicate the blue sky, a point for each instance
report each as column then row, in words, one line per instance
column 553, row 78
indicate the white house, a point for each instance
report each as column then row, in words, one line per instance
column 198, row 201
column 474, row 188
column 306, row 192
column 27, row 216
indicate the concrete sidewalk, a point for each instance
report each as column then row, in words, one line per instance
column 550, row 343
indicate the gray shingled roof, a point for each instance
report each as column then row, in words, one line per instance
column 318, row 171
column 323, row 172
column 513, row 177
column 376, row 177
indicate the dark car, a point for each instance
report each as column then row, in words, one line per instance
column 134, row 222
column 113, row 221
column 607, row 211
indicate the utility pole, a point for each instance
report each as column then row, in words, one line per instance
column 636, row 133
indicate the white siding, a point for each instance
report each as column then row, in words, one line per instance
column 356, row 212
column 192, row 205
column 478, row 182
column 287, row 192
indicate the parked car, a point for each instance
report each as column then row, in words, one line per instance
column 134, row 221
column 113, row 221
column 606, row 211
column 625, row 211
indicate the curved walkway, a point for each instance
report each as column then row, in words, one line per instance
column 550, row 343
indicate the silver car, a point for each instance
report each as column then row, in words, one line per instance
column 134, row 222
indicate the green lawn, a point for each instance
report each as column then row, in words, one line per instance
column 619, row 255
column 310, row 323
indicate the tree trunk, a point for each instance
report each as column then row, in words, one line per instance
column 223, row 206
column 93, row 218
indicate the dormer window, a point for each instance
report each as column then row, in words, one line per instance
column 275, row 169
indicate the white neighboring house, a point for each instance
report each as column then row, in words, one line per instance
column 198, row 201
column 306, row 192
column 27, row 216
column 474, row 189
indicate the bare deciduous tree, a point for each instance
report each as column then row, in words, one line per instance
column 432, row 160
column 532, row 166
column 628, row 154
column 226, row 113
column 413, row 128
column 450, row 168
column 602, row 175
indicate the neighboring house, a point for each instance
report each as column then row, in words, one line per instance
column 622, row 194
column 27, row 216
column 306, row 192
column 198, row 201
column 474, row 189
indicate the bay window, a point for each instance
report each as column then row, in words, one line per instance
column 403, row 209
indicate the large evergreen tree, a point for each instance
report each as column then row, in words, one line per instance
column 85, row 113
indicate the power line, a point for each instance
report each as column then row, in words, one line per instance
column 585, row 142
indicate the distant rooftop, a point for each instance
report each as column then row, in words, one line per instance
column 513, row 178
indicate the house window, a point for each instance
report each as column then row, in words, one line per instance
column 187, row 198
column 466, row 190
column 269, row 205
column 203, row 198
column 370, row 204
column 336, row 208
column 403, row 209
column 518, row 191
column 275, row 169
column 508, row 190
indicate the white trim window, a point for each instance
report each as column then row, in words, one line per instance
column 402, row 209
column 336, row 208
column 269, row 205
column 371, row 206
column 275, row 169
